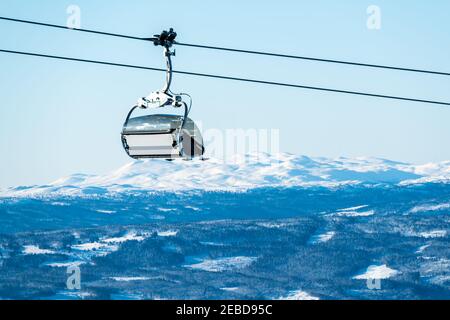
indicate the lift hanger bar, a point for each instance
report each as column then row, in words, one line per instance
column 358, row 64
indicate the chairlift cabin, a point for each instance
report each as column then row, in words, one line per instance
column 162, row 136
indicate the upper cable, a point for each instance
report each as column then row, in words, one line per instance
column 271, row 54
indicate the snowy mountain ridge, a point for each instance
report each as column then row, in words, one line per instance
column 239, row 174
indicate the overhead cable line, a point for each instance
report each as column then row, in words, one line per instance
column 226, row 77
column 79, row 30
column 315, row 59
column 358, row 64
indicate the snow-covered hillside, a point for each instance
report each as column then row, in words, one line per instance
column 344, row 229
column 241, row 173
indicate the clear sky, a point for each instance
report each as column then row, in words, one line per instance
column 59, row 118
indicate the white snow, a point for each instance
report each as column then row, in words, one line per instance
column 298, row 295
column 59, row 204
column 129, row 279
column 354, row 208
column 321, row 238
column 212, row 244
column 433, row 234
column 73, row 294
column 272, row 225
column 166, row 209
column 105, row 246
column 436, row 270
column 89, row 246
column 230, row 289
column 65, row 264
column 421, row 249
column 431, row 172
column 377, row 272
column 35, row 250
column 128, row 237
column 108, row 245
column 106, row 211
column 223, row 264
column 430, row 207
column 250, row 171
column 96, row 249
column 356, row 213
column 441, row 280
column 193, row 208
column 168, row 233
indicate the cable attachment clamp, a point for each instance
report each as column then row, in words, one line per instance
column 163, row 97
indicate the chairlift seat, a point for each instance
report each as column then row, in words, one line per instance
column 162, row 136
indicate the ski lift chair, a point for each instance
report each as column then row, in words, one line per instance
column 162, row 136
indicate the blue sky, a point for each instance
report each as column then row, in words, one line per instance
column 58, row 118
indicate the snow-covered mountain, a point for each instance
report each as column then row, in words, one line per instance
column 370, row 219
column 240, row 173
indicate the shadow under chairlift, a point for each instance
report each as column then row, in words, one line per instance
column 163, row 136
